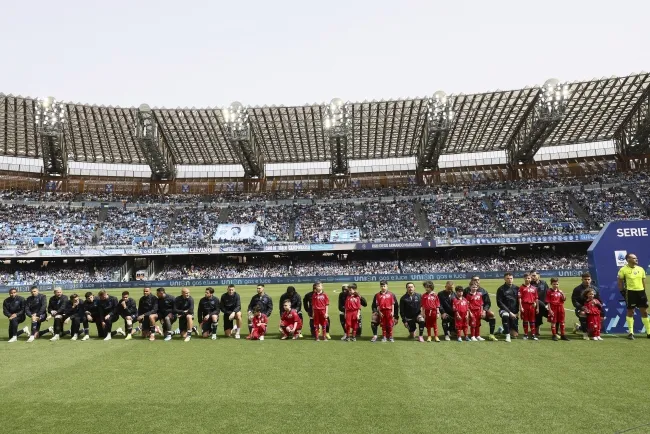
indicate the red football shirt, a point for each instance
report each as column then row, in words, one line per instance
column 262, row 319
column 430, row 301
column 384, row 301
column 353, row 303
column 555, row 298
column 320, row 301
column 290, row 317
column 475, row 301
column 461, row 306
column 528, row 294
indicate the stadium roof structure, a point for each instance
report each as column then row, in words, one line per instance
column 595, row 111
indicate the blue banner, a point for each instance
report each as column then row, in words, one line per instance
column 606, row 256
column 462, row 277
column 528, row 239
column 396, row 245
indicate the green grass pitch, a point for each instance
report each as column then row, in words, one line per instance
column 303, row 386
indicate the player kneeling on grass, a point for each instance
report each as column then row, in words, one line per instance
column 166, row 314
column 231, row 307
column 592, row 309
column 209, row 314
column 476, row 312
column 352, row 314
column 74, row 311
column 461, row 313
column 290, row 322
column 528, row 307
column 35, row 306
column 410, row 309
column 383, row 307
column 13, row 307
column 107, row 316
column 184, row 308
column 555, row 299
column 259, row 321
column 147, row 307
column 55, row 308
column 90, row 309
column 430, row 307
column 128, row 311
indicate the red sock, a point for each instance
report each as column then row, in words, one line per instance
column 429, row 331
column 554, row 328
column 533, row 329
column 562, row 328
column 435, row 329
column 525, row 328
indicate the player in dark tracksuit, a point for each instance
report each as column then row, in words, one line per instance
column 74, row 310
column 263, row 301
column 230, row 305
column 448, row 316
column 410, row 305
column 578, row 301
column 128, row 311
column 55, row 309
column 147, row 307
column 208, row 314
column 166, row 312
column 542, row 289
column 13, row 307
column 343, row 296
column 90, row 307
column 35, row 309
column 508, row 303
column 107, row 315
column 306, row 302
column 184, row 308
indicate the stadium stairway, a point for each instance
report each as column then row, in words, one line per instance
column 103, row 215
column 580, row 211
column 423, row 222
column 490, row 208
column 637, row 201
column 172, row 222
column 224, row 215
column 292, row 228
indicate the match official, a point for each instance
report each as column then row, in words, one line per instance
column 631, row 283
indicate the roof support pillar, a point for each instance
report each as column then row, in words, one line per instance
column 152, row 145
column 240, row 135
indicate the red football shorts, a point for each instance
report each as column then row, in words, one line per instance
column 430, row 318
column 556, row 314
column 320, row 320
column 528, row 312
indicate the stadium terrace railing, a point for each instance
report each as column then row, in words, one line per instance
column 289, row 279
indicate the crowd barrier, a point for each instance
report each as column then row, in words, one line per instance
column 462, row 278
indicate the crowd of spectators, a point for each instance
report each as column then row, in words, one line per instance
column 272, row 221
column 57, row 273
column 128, row 226
column 26, row 226
column 534, row 213
column 604, row 205
column 463, row 263
column 465, row 216
column 314, row 223
column 386, row 221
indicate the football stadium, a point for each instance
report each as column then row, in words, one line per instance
column 457, row 262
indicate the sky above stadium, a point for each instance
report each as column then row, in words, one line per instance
column 210, row 53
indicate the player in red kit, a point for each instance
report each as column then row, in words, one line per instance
column 259, row 324
column 385, row 302
column 290, row 322
column 320, row 306
column 475, row 300
column 528, row 306
column 592, row 308
column 461, row 311
column 430, row 306
column 352, row 314
column 555, row 299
